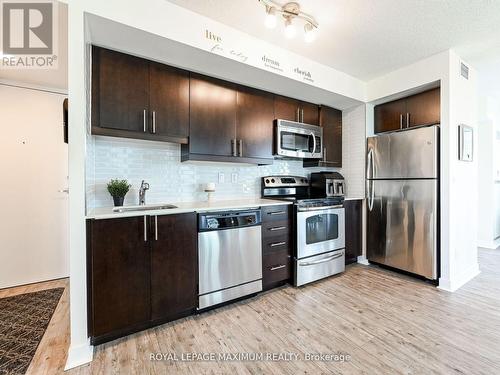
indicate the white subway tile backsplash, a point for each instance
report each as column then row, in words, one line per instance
column 172, row 181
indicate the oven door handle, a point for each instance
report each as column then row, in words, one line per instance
column 304, row 209
column 324, row 260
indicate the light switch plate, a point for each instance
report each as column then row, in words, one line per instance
column 221, row 178
column 234, row 178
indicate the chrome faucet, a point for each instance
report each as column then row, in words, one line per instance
column 142, row 193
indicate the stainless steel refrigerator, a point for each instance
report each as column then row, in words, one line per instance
column 403, row 200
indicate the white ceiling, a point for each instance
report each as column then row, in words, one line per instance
column 45, row 78
column 368, row 38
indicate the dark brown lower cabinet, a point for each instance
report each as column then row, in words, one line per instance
column 119, row 282
column 353, row 229
column 141, row 271
column 174, row 266
column 276, row 246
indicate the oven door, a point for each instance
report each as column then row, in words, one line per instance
column 320, row 231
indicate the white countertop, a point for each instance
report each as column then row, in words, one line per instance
column 183, row 207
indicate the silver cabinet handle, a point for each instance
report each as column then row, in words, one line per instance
column 324, row 153
column 276, row 228
column 302, row 117
column 401, row 121
column 278, row 267
column 407, row 120
column 233, row 146
column 277, row 244
column 145, row 229
column 240, row 147
column 156, row 228
column 297, row 117
column 144, row 120
column 324, row 260
column 154, row 122
column 277, row 213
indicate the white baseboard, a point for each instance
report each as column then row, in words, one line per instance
column 493, row 244
column 452, row 285
column 79, row 355
column 362, row 260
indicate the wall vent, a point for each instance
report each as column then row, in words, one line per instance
column 464, row 70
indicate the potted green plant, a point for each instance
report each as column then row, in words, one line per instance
column 118, row 189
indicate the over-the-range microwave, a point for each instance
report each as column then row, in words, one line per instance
column 298, row 140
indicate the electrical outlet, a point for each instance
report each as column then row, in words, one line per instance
column 234, row 178
column 221, row 178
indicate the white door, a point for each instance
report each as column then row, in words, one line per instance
column 34, row 175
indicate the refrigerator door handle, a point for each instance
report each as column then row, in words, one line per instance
column 370, row 167
column 371, row 195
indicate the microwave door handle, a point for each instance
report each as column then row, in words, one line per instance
column 314, row 144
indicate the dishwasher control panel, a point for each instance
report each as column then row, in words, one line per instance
column 228, row 219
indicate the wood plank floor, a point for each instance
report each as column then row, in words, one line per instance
column 387, row 323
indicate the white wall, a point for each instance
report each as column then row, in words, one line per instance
column 34, row 167
column 353, row 150
column 488, row 173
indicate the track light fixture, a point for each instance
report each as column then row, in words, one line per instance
column 291, row 14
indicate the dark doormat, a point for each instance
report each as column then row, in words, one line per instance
column 23, row 321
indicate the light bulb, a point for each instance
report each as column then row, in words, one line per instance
column 289, row 29
column 270, row 18
column 309, row 33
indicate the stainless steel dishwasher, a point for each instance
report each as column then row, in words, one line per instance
column 229, row 256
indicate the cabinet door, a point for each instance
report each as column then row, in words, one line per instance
column 331, row 122
column 169, row 101
column 286, row 108
column 254, row 123
column 120, row 91
column 120, row 260
column 174, row 267
column 424, row 108
column 212, row 116
column 390, row 116
column 353, row 229
column 310, row 113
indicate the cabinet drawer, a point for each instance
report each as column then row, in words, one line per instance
column 276, row 213
column 276, row 228
column 276, row 267
column 274, row 244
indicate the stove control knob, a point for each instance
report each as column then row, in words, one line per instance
column 267, row 180
column 272, row 180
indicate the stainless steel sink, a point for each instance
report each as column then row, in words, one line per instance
column 144, row 208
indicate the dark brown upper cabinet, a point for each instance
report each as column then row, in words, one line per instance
column 136, row 98
column 330, row 119
column 295, row 110
column 174, row 266
column 212, row 117
column 228, row 123
column 424, row 108
column 416, row 110
column 169, row 101
column 254, row 123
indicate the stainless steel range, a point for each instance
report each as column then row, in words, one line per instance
column 320, row 228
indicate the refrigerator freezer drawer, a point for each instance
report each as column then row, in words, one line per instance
column 318, row 267
column 407, row 154
column 402, row 217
